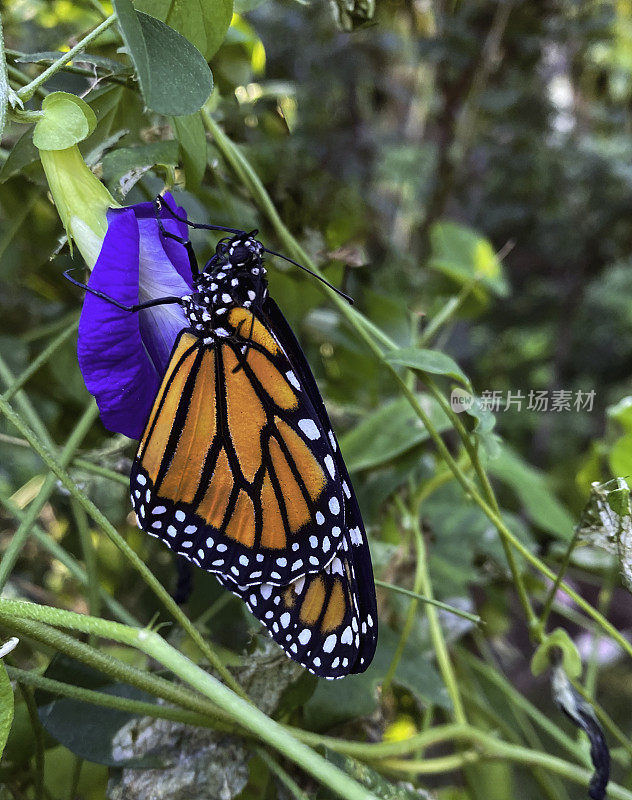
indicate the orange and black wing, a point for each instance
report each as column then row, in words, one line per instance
column 325, row 621
column 237, row 471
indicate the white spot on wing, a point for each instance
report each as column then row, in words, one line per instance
column 309, row 428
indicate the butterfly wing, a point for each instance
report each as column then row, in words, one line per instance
column 315, row 619
column 236, row 470
column 327, row 622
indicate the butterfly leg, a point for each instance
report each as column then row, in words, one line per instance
column 186, row 243
column 159, row 301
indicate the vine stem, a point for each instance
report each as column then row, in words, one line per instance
column 26, row 92
column 106, row 526
column 458, row 612
column 490, row 748
column 140, row 707
column 436, row 633
column 473, row 454
column 412, row 606
column 19, row 538
column 247, row 715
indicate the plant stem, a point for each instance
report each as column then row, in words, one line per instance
column 497, row 679
column 247, row 715
column 546, row 610
column 447, row 312
column 488, row 491
column 39, row 361
column 436, row 633
column 490, row 748
column 89, row 558
column 76, row 775
column 277, row 770
column 19, row 538
column 71, row 564
column 139, row 707
column 26, row 92
column 412, row 606
column 391, row 587
column 29, row 700
column 114, row 667
column 104, row 472
column 5, row 87
column 25, row 406
column 110, row 531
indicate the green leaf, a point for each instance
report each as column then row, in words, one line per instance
column 123, row 167
column 181, row 81
column 388, row 432
column 622, row 413
column 85, row 729
column 203, row 22
column 132, row 33
column 463, row 255
column 191, row 134
column 620, row 453
column 531, row 487
column 243, row 6
column 174, row 77
column 571, row 659
column 6, row 707
column 23, row 154
column 335, row 702
column 67, row 121
column 373, row 781
column 433, row 361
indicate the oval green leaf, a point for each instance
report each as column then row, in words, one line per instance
column 67, row 121
column 388, row 432
column 181, row 80
column 533, row 491
column 433, row 361
column 6, row 707
column 463, row 255
column 203, row 22
column 174, row 77
column 132, row 33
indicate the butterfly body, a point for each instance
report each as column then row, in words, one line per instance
column 239, row 471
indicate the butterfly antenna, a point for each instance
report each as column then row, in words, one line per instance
column 310, row 272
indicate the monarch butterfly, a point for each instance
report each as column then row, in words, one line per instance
column 238, row 469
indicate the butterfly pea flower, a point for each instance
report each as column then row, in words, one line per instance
column 123, row 356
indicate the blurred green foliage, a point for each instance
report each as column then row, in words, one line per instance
column 463, row 170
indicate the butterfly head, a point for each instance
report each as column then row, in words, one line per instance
column 240, row 253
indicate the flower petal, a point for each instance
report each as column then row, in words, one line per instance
column 160, row 325
column 123, row 355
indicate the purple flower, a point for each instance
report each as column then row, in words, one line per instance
column 123, row 355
